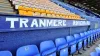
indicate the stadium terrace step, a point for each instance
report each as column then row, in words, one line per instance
column 5, row 4
column 7, row 12
column 9, row 7
column 6, row 8
column 4, row 1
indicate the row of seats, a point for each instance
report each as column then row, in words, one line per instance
column 39, row 8
column 70, row 8
column 63, row 46
column 96, row 52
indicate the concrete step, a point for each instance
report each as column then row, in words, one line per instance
column 4, row 4
column 7, row 12
column 4, row 1
column 9, row 7
column 6, row 9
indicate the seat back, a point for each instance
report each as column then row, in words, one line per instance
column 93, row 54
column 29, row 50
column 98, row 50
column 82, row 35
column 89, row 33
column 61, row 45
column 70, row 39
column 78, row 40
column 72, row 43
column 60, row 42
column 5, row 53
column 86, row 33
column 47, row 47
column 77, row 36
column 96, row 33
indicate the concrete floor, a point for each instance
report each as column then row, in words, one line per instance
column 89, row 50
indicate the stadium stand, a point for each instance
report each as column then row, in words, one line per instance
column 47, row 9
column 48, row 48
column 71, row 8
column 64, row 41
column 6, row 8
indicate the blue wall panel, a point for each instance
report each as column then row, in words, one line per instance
column 13, row 40
column 75, row 30
column 93, row 25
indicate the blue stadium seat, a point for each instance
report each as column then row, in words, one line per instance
column 82, row 36
column 71, row 44
column 47, row 48
column 97, row 35
column 85, row 39
column 5, row 53
column 78, row 41
column 98, row 50
column 94, row 36
column 91, row 36
column 29, row 50
column 62, row 46
column 93, row 54
column 87, row 35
